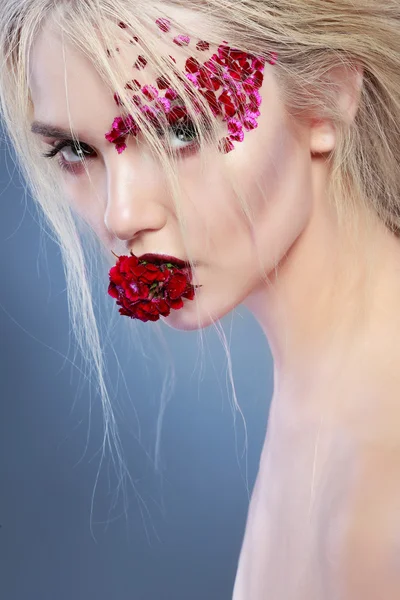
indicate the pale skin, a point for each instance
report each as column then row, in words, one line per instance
column 324, row 519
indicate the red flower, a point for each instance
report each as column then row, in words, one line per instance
column 150, row 92
column 140, row 63
column 225, row 145
column 162, row 83
column 176, row 285
column 164, row 105
column 202, row 45
column 119, row 131
column 176, row 114
column 145, row 290
column 164, row 24
column 171, row 94
column 133, row 85
column 192, row 65
column 236, row 130
column 182, row 40
column 235, row 74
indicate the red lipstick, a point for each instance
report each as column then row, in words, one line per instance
column 158, row 259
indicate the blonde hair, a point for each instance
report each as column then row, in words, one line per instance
column 364, row 163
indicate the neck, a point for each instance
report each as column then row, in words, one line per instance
column 331, row 313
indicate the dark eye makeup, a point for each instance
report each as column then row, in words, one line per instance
column 185, row 144
column 79, row 148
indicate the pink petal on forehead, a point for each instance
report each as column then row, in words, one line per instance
column 140, row 63
column 150, row 92
column 229, row 82
column 162, row 83
column 202, row 45
column 182, row 40
column 164, row 24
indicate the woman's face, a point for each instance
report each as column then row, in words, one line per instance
column 125, row 198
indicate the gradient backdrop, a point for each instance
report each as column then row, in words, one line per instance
column 174, row 535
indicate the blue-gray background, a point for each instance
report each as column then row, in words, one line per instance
column 179, row 535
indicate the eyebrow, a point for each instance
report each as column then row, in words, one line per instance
column 47, row 130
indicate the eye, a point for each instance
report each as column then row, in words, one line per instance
column 183, row 137
column 78, row 150
column 185, row 130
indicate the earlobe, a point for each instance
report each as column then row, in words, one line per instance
column 322, row 137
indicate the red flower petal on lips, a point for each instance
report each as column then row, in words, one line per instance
column 135, row 290
column 189, row 294
column 176, row 285
column 145, row 290
column 116, row 276
column 149, row 273
column 162, row 306
column 127, row 264
column 113, row 290
column 145, row 311
column 150, row 310
column 176, row 303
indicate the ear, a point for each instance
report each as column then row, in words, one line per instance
column 322, row 133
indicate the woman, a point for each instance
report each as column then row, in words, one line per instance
column 256, row 145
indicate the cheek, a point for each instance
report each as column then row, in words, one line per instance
column 212, row 212
column 90, row 210
column 280, row 197
column 273, row 178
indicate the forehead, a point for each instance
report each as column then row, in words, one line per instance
column 65, row 86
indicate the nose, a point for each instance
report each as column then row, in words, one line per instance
column 135, row 199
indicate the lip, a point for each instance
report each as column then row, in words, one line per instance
column 158, row 259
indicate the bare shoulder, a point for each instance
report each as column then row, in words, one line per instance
column 366, row 564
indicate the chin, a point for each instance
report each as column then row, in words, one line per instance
column 195, row 315
column 186, row 319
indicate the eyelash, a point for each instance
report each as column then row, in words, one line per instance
column 81, row 148
column 65, row 165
